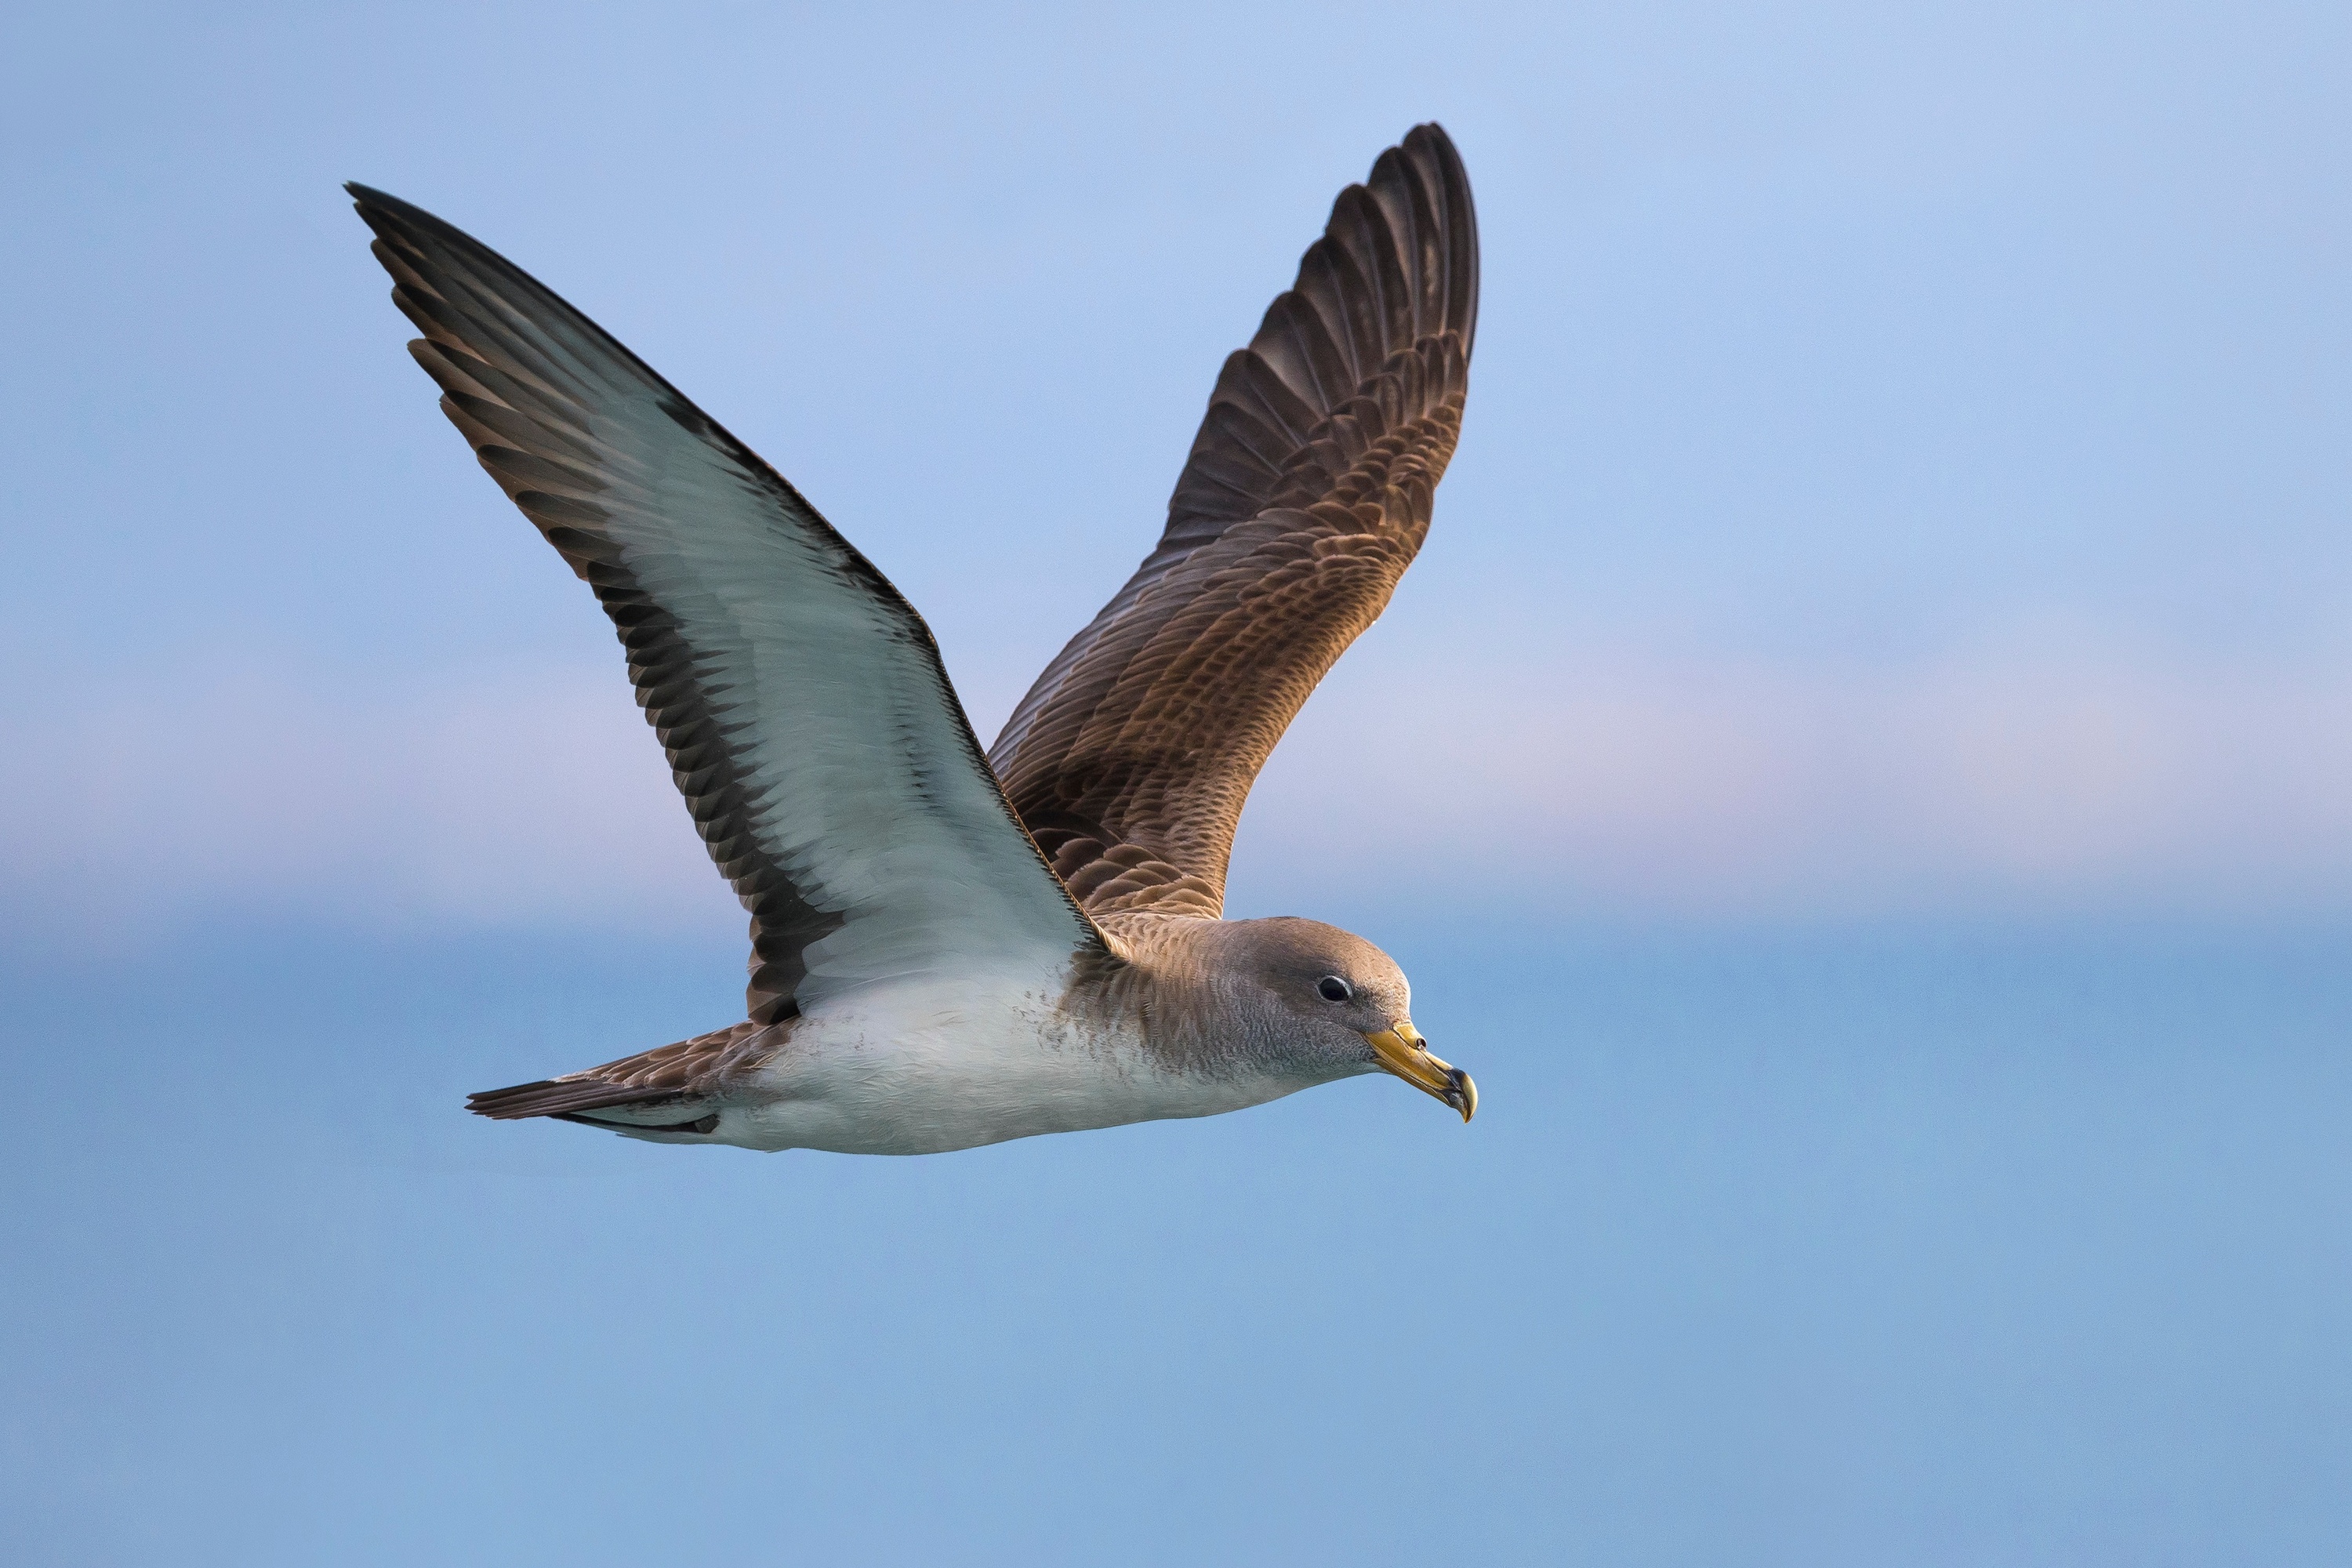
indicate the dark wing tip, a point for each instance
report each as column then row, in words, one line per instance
column 1445, row 183
column 367, row 195
column 1397, row 263
column 383, row 211
column 1430, row 136
column 367, row 199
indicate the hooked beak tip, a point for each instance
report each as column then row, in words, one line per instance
column 1464, row 1097
column 1401, row 1050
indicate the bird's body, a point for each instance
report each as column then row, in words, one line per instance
column 937, row 1062
column 948, row 948
column 950, row 1059
column 947, row 1061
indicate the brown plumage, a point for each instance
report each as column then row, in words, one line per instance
column 1305, row 496
column 666, row 1074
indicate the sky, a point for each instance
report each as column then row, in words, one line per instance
column 1862, row 771
column 1905, row 474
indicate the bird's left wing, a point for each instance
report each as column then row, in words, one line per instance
column 808, row 719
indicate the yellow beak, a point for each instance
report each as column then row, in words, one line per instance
column 1403, row 1051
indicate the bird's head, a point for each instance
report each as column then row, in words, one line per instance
column 1340, row 1003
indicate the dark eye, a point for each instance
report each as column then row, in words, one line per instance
column 1334, row 989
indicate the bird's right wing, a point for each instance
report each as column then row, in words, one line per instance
column 808, row 719
column 1305, row 496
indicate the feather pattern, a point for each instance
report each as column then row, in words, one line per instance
column 807, row 718
column 1306, row 494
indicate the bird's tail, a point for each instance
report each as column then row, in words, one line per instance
column 670, row 1092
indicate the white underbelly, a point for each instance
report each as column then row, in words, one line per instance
column 933, row 1065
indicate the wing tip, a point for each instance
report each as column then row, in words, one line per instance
column 366, row 197
column 1457, row 217
column 1430, row 132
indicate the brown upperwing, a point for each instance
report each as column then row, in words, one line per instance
column 1307, row 495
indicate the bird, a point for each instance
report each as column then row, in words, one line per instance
column 952, row 947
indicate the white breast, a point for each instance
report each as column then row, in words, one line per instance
column 933, row 1063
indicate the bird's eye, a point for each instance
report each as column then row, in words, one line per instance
column 1334, row 989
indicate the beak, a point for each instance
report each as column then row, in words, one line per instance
column 1403, row 1051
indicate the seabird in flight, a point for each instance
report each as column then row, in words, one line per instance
column 949, row 947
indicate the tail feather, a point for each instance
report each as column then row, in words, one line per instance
column 666, row 1089
column 563, row 1097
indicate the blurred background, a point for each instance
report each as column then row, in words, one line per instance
column 1862, row 773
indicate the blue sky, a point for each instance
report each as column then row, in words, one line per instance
column 1905, row 473
column 1862, row 771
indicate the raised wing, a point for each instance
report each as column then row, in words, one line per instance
column 808, row 719
column 1305, row 496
